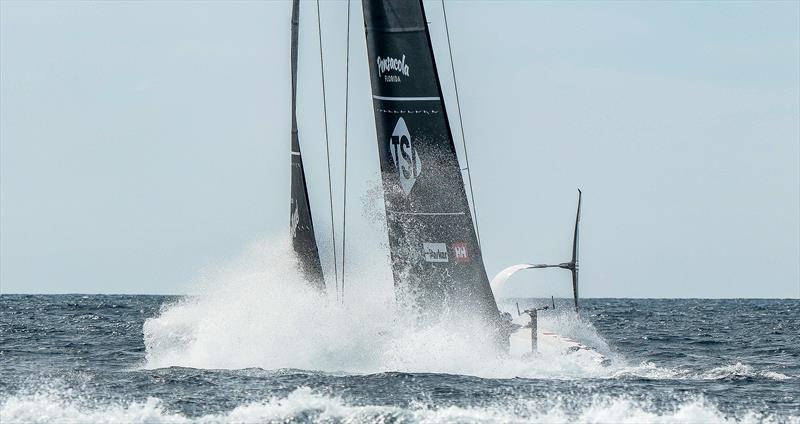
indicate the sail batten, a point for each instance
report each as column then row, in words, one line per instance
column 408, row 99
column 301, row 226
column 436, row 259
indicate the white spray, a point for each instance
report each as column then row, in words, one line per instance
column 258, row 312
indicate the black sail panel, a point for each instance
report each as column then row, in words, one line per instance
column 300, row 224
column 436, row 260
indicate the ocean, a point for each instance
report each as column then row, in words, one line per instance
column 153, row 359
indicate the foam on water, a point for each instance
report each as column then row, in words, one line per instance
column 735, row 371
column 305, row 405
column 258, row 312
column 78, row 368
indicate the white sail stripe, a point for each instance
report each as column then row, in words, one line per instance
column 407, row 99
column 295, row 153
column 426, row 213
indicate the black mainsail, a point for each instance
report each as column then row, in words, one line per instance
column 436, row 259
column 300, row 224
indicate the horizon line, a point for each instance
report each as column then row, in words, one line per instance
column 504, row 298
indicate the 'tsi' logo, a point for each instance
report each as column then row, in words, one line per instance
column 404, row 156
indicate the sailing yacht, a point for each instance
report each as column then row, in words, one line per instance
column 436, row 257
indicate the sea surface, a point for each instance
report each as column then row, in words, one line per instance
column 116, row 358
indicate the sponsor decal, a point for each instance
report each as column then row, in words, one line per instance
column 460, row 253
column 435, row 252
column 404, row 156
column 391, row 64
column 295, row 219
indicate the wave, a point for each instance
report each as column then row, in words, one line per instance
column 303, row 405
column 737, row 371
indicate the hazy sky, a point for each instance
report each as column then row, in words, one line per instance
column 142, row 142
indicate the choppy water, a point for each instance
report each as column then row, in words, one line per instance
column 162, row 359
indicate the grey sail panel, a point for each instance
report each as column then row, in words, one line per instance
column 436, row 259
column 300, row 223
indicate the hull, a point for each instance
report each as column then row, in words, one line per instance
column 552, row 344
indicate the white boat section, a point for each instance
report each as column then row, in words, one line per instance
column 551, row 344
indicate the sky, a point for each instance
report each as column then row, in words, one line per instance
column 144, row 142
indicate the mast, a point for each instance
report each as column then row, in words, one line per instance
column 436, row 259
column 300, row 223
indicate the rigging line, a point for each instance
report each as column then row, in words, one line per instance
column 461, row 124
column 346, row 104
column 328, row 152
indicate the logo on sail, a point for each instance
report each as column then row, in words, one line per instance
column 295, row 219
column 435, row 252
column 460, row 252
column 404, row 156
column 387, row 64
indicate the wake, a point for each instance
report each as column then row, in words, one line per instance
column 303, row 405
